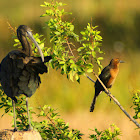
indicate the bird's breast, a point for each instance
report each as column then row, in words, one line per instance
column 113, row 73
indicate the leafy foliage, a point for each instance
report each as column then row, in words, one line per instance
column 136, row 104
column 6, row 103
column 72, row 61
column 52, row 126
column 109, row 134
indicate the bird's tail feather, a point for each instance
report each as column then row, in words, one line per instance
column 37, row 65
column 93, row 104
column 47, row 58
column 39, row 68
column 36, row 60
column 94, row 101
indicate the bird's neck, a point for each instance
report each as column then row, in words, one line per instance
column 115, row 66
column 26, row 47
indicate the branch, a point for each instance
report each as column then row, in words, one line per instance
column 70, row 48
column 90, row 79
column 114, row 99
column 11, row 28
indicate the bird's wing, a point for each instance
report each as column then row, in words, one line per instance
column 105, row 75
column 16, row 76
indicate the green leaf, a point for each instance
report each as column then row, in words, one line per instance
column 41, row 113
column 90, row 70
column 71, row 27
column 57, row 33
column 61, row 62
column 43, row 15
column 71, row 61
column 76, row 77
column 93, row 54
column 82, row 33
column 71, row 76
column 43, row 5
column 100, row 58
column 16, row 40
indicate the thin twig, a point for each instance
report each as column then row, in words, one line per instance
column 108, row 92
column 70, row 49
column 115, row 100
column 90, row 78
column 51, row 121
column 10, row 27
column 72, row 20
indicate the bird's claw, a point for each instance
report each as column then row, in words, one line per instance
column 110, row 98
column 30, row 128
column 15, row 129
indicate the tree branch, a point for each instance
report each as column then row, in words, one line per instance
column 114, row 99
column 90, row 78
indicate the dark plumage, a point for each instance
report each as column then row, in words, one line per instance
column 19, row 70
column 107, row 76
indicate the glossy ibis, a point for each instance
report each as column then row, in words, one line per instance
column 19, row 70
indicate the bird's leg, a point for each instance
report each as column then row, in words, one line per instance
column 30, row 127
column 109, row 93
column 111, row 99
column 109, row 96
column 15, row 125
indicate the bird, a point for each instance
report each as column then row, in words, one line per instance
column 19, row 70
column 107, row 76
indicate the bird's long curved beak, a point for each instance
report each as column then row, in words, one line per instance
column 36, row 44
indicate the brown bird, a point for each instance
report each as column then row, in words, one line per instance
column 107, row 76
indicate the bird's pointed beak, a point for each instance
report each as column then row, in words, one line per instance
column 122, row 61
column 36, row 44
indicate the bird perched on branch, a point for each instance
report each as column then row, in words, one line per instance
column 19, row 70
column 107, row 76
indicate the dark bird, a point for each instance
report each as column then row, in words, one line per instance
column 19, row 70
column 107, row 76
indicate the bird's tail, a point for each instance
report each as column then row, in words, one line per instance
column 93, row 104
column 38, row 66
column 94, row 101
column 47, row 58
column 36, row 60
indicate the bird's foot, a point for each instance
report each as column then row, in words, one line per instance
column 15, row 129
column 30, row 128
column 110, row 98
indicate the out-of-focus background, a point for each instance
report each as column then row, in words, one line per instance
column 119, row 23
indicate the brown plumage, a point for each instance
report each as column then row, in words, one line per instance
column 107, row 76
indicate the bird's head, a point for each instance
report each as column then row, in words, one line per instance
column 25, row 31
column 115, row 62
